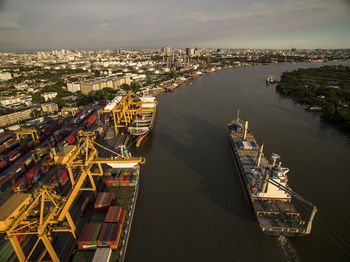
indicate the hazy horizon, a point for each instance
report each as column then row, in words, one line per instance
column 135, row 24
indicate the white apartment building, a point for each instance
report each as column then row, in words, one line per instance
column 9, row 101
column 5, row 76
column 73, row 87
column 49, row 95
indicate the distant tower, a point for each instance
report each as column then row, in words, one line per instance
column 166, row 50
column 189, row 51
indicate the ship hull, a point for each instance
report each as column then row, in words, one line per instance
column 139, row 137
column 262, row 215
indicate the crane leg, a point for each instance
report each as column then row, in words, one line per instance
column 17, row 247
column 49, row 248
column 71, row 224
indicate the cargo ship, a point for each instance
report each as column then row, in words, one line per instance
column 143, row 123
column 266, row 185
column 105, row 236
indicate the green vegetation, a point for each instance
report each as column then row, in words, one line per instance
column 5, row 111
column 134, row 87
column 47, row 75
column 105, row 93
column 327, row 87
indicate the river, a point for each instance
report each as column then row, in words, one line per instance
column 191, row 205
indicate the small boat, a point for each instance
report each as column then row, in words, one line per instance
column 270, row 80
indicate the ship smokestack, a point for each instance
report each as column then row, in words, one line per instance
column 245, row 130
column 260, row 155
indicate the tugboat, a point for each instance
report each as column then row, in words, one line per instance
column 270, row 80
column 266, row 185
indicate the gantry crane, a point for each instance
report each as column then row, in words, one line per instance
column 44, row 212
column 23, row 133
column 125, row 110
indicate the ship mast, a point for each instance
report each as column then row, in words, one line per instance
column 245, row 130
column 260, row 155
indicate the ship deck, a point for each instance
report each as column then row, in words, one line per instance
column 275, row 216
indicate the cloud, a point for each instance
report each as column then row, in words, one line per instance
column 152, row 23
column 261, row 10
column 9, row 20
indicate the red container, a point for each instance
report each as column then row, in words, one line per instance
column 3, row 163
column 71, row 139
column 13, row 155
column 88, row 236
column 113, row 214
column 104, row 200
column 109, row 235
column 4, row 137
column 33, row 171
column 20, row 185
column 92, row 119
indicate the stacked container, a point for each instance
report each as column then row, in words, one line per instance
column 110, row 235
column 59, row 180
column 88, row 236
column 124, row 177
column 103, row 201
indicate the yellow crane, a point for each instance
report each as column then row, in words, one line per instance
column 23, row 133
column 43, row 212
column 125, row 110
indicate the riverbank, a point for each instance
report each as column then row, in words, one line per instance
column 325, row 89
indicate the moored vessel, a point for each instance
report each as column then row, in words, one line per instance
column 266, row 185
column 143, row 122
column 270, row 80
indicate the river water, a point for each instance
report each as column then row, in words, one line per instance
column 191, row 205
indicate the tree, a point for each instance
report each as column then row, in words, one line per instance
column 37, row 98
column 135, row 87
column 125, row 87
column 105, row 93
column 330, row 108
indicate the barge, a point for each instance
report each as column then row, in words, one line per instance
column 265, row 183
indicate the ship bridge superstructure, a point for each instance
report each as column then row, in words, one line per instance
column 125, row 108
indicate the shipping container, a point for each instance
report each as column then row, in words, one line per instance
column 113, row 214
column 59, row 180
column 109, row 235
column 102, row 254
column 88, row 236
column 104, row 200
column 4, row 138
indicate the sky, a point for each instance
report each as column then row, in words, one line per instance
column 108, row 24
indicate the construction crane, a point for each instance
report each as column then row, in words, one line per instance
column 43, row 212
column 124, row 112
column 23, row 133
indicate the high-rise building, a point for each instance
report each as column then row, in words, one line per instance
column 196, row 52
column 166, row 50
column 190, row 51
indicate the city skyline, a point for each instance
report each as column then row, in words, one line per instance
column 38, row 25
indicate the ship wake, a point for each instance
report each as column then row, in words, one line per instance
column 289, row 252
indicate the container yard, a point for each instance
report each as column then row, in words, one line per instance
column 88, row 202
